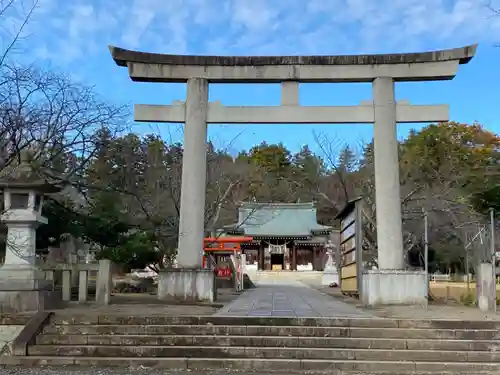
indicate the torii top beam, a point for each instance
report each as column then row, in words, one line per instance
column 423, row 66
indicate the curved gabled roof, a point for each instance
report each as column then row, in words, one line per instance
column 279, row 219
column 463, row 54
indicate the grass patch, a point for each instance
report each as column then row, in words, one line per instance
column 457, row 291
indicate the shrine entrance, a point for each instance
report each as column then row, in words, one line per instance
column 277, row 262
column 383, row 110
column 276, row 255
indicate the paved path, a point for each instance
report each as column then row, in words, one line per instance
column 290, row 299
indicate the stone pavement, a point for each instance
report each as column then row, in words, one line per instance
column 288, row 299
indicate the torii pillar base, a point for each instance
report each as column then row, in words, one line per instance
column 184, row 285
column 394, row 287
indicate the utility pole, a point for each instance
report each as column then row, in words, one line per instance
column 493, row 256
column 467, row 267
column 426, row 251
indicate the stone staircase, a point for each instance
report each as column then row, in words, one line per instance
column 340, row 346
column 11, row 324
column 270, row 277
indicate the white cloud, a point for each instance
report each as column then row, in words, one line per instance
column 141, row 19
column 84, row 27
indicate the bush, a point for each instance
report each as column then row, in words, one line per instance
column 468, row 299
column 135, row 286
column 134, row 251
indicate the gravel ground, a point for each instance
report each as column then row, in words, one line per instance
column 146, row 371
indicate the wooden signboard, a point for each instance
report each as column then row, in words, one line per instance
column 223, row 266
column 351, row 263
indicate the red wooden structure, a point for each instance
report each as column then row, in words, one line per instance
column 221, row 248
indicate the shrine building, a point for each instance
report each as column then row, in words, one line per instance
column 286, row 236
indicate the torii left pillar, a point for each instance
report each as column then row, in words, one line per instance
column 190, row 282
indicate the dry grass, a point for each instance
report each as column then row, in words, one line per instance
column 441, row 309
column 456, row 291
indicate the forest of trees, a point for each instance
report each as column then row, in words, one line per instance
column 124, row 198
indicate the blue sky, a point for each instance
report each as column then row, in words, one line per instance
column 72, row 36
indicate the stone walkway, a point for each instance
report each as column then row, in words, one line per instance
column 290, row 299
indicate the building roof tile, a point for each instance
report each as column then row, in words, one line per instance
column 278, row 219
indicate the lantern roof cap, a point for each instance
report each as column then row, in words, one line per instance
column 23, row 174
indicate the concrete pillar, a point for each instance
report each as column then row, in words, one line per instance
column 66, row 285
column 387, row 189
column 104, row 282
column 83, row 286
column 486, row 287
column 194, row 171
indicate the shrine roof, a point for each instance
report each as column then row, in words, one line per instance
column 122, row 56
column 278, row 219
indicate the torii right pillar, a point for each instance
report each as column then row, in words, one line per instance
column 391, row 283
column 387, row 186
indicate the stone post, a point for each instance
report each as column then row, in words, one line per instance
column 391, row 283
column 104, row 282
column 387, row 190
column 189, row 282
column 83, row 285
column 486, row 300
column 194, row 161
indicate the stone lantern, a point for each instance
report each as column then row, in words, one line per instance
column 21, row 284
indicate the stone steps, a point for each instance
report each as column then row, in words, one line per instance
column 15, row 319
column 313, row 277
column 269, row 341
column 338, row 367
column 230, row 330
column 263, row 352
column 115, row 319
column 324, row 345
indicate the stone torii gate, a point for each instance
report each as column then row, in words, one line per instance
column 391, row 283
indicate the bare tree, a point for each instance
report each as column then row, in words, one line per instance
column 14, row 18
column 493, row 7
column 54, row 118
column 56, row 122
column 344, row 180
column 443, row 200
